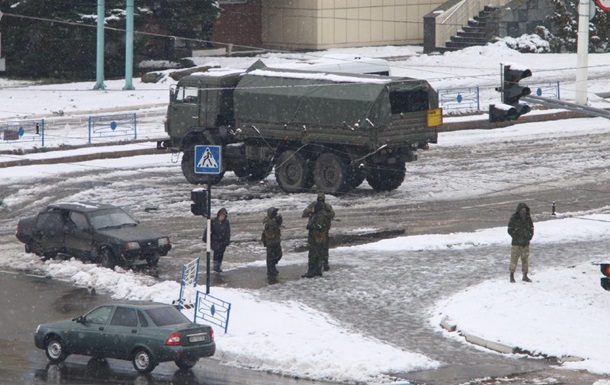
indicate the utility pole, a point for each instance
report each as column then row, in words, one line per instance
column 584, row 12
column 99, row 68
column 129, row 46
column 2, row 61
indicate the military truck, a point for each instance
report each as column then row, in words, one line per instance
column 331, row 130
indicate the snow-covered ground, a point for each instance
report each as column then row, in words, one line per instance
column 561, row 314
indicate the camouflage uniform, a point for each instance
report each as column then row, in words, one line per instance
column 330, row 213
column 318, row 225
column 521, row 229
column 272, row 239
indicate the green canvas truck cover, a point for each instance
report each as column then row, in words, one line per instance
column 295, row 98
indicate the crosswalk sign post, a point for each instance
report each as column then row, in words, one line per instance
column 208, row 160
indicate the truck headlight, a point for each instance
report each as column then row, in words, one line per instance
column 163, row 241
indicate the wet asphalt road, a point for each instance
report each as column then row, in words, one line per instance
column 27, row 300
column 379, row 294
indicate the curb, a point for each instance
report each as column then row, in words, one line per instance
column 450, row 326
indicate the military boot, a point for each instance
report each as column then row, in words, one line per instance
column 512, row 277
column 525, row 278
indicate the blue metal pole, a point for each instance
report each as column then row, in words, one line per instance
column 129, row 46
column 99, row 68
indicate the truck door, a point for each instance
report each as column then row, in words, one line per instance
column 184, row 111
column 49, row 232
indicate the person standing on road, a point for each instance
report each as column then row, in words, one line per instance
column 318, row 225
column 521, row 229
column 330, row 213
column 272, row 239
column 220, row 234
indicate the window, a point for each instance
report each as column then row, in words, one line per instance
column 50, row 221
column 111, row 218
column 124, row 317
column 186, row 95
column 142, row 319
column 164, row 316
column 79, row 220
column 99, row 315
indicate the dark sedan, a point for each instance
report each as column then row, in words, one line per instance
column 144, row 333
column 94, row 232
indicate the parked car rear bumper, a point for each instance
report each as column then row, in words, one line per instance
column 172, row 353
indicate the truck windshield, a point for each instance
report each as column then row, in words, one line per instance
column 186, row 94
column 110, row 218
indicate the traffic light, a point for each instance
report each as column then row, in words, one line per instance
column 501, row 112
column 512, row 91
column 199, row 197
column 605, row 281
column 510, row 108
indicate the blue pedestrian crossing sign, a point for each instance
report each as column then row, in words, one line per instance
column 208, row 159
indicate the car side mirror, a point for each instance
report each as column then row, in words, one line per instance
column 80, row 319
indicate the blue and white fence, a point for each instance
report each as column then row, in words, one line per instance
column 459, row 98
column 547, row 90
column 188, row 282
column 23, row 131
column 207, row 308
column 116, row 125
column 468, row 98
column 212, row 310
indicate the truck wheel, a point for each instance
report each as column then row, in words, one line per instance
column 331, row 174
column 292, row 172
column 387, row 177
column 356, row 177
column 260, row 171
column 254, row 172
column 188, row 169
column 106, row 258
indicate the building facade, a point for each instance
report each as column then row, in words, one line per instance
column 322, row 24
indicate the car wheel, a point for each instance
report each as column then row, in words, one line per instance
column 47, row 256
column 55, row 350
column 143, row 361
column 185, row 364
column 153, row 261
column 106, row 258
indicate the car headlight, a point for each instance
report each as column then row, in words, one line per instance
column 37, row 328
column 132, row 245
column 163, row 241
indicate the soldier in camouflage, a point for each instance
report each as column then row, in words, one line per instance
column 317, row 240
column 272, row 239
column 521, row 229
column 330, row 213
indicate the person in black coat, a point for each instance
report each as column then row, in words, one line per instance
column 220, row 235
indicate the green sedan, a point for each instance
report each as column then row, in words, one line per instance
column 144, row 333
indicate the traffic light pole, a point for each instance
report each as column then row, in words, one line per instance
column 208, row 240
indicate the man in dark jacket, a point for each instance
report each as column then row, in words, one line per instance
column 272, row 239
column 220, row 235
column 521, row 229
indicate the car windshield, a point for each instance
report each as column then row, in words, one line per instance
column 164, row 316
column 109, row 218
